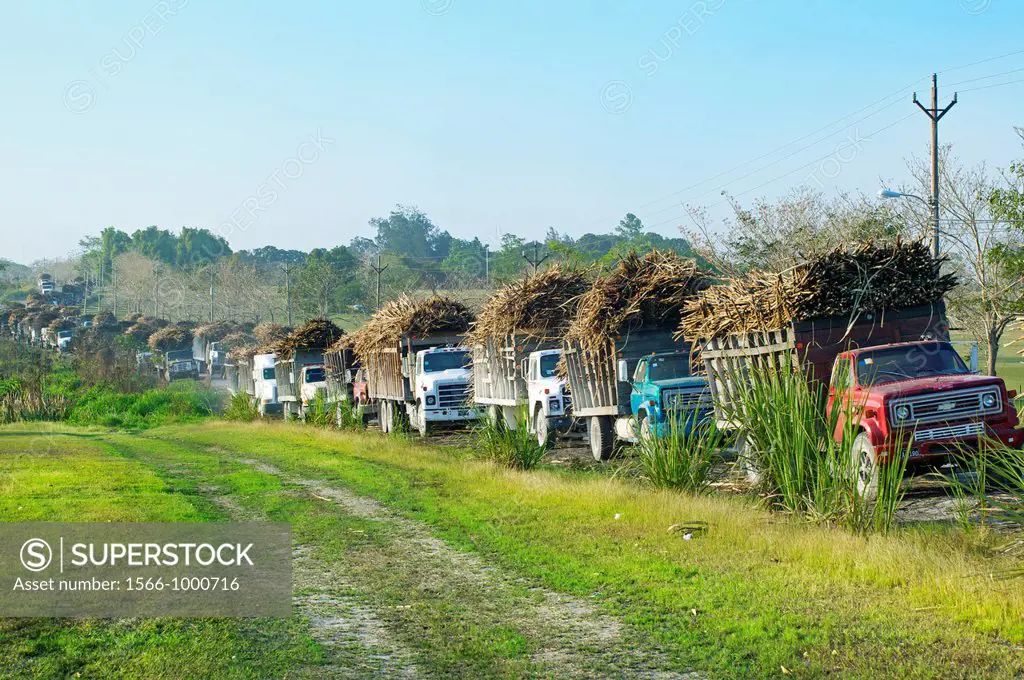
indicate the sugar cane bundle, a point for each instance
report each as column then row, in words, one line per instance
column 538, row 306
column 407, row 315
column 237, row 340
column 840, row 282
column 104, row 319
column 646, row 291
column 315, row 334
column 170, row 338
column 268, row 333
column 214, row 331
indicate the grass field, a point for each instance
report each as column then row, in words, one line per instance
column 415, row 561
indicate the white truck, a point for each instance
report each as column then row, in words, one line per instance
column 422, row 381
column 63, row 340
column 548, row 396
column 299, row 378
column 264, row 378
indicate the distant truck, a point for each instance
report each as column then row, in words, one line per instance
column 179, row 365
column 64, row 340
column 299, row 379
column 346, row 383
column 639, row 385
column 422, row 381
column 896, row 373
column 517, row 376
column 265, row 389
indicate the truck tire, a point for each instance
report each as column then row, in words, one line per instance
column 749, row 459
column 495, row 417
column 602, row 438
column 384, row 416
column 422, row 425
column 865, row 463
column 644, row 431
column 545, row 435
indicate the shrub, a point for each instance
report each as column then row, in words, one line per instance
column 802, row 468
column 349, row 418
column 682, row 457
column 514, row 447
column 241, row 408
column 102, row 405
column 318, row 413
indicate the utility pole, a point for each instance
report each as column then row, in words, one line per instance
column 536, row 261
column 935, row 114
column 378, row 270
column 212, row 290
column 113, row 271
column 487, row 263
column 288, row 290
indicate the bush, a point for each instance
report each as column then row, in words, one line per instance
column 514, row 447
column 318, row 413
column 349, row 418
column 241, row 408
column 181, row 402
column 803, row 469
column 681, row 459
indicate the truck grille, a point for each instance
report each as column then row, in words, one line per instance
column 686, row 400
column 452, row 395
column 947, row 406
column 951, row 432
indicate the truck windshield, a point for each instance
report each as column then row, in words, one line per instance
column 904, row 363
column 548, row 365
column 268, row 374
column 444, row 361
column 669, row 367
column 315, row 375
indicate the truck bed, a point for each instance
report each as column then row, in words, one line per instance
column 593, row 383
column 499, row 378
column 384, row 368
column 814, row 344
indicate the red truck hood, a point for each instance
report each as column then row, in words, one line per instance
column 901, row 388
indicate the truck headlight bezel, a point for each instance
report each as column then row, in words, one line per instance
column 431, row 400
column 554, row 404
column 901, row 413
column 989, row 400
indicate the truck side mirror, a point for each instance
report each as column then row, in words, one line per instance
column 622, row 371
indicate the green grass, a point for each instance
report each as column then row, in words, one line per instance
column 179, row 402
column 65, row 474
column 767, row 592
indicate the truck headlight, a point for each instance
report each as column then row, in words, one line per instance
column 431, row 400
column 554, row 404
column 989, row 400
column 902, row 412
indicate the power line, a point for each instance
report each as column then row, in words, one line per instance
column 985, row 87
column 981, row 61
column 994, row 75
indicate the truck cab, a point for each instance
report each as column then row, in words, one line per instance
column 63, row 340
column 264, row 378
column 665, row 393
column 548, row 394
column 440, row 383
column 216, row 360
column 919, row 395
column 312, row 381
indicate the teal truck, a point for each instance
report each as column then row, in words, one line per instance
column 637, row 385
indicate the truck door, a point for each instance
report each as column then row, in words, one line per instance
column 636, row 395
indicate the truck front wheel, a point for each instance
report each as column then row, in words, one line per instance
column 384, row 415
column 422, row 425
column 602, row 439
column 545, row 437
column 866, row 464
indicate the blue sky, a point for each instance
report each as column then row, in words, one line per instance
column 491, row 117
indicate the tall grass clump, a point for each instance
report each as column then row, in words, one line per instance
column 349, row 417
column 318, row 413
column 241, row 408
column 514, row 447
column 993, row 482
column 683, row 456
column 177, row 403
column 788, row 438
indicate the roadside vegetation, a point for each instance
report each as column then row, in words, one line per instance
column 515, row 447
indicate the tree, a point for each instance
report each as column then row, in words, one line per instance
column 773, row 236
column 975, row 216
column 630, row 227
column 317, row 283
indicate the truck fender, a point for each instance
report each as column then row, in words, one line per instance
column 870, row 426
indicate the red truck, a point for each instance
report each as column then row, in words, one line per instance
column 906, row 383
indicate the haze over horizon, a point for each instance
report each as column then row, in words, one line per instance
column 293, row 126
